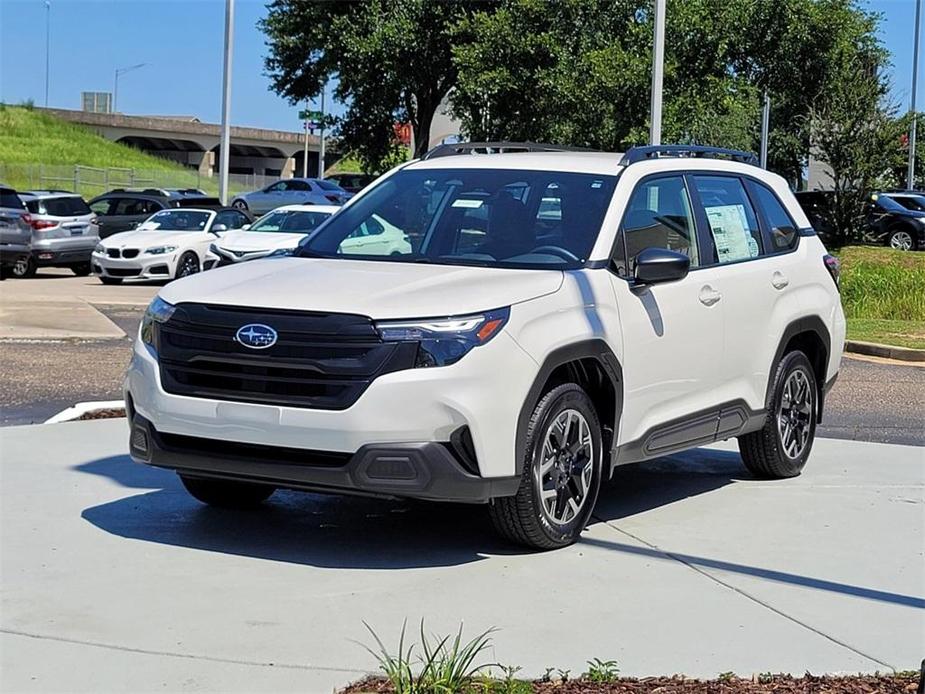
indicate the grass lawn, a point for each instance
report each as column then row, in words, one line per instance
column 883, row 293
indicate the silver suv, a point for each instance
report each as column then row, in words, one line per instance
column 15, row 232
column 64, row 232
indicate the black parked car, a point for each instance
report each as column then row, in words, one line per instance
column 351, row 182
column 896, row 219
column 123, row 209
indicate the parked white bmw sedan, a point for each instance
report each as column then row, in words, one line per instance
column 276, row 233
column 167, row 245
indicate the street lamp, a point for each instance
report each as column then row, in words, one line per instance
column 115, row 90
column 910, row 173
column 47, row 45
column 225, row 151
column 658, row 62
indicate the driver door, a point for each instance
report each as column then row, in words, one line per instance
column 672, row 331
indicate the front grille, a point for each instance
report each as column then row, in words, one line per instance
column 113, row 252
column 123, row 271
column 321, row 361
column 129, row 252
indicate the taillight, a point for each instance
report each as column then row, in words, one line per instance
column 332, row 198
column 833, row 265
column 27, row 218
column 39, row 224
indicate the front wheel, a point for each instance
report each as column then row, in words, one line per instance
column 188, row 265
column 780, row 449
column 81, row 269
column 561, row 473
column 225, row 493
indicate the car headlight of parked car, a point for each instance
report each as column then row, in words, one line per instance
column 100, row 248
column 160, row 250
column 447, row 340
column 279, row 252
column 158, row 311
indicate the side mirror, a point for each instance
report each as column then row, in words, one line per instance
column 216, row 228
column 656, row 265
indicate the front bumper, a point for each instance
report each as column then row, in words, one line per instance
column 429, row 470
column 147, row 267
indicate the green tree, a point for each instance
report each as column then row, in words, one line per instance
column 392, row 60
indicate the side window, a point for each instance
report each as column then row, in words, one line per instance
column 101, row 207
column 782, row 228
column 150, row 206
column 277, row 187
column 129, row 206
column 659, row 216
column 733, row 224
column 298, row 185
column 372, row 227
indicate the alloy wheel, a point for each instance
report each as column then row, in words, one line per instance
column 565, row 469
column 188, row 266
column 795, row 414
column 901, row 241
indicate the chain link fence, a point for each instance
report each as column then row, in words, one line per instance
column 91, row 181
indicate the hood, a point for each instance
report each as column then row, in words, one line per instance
column 375, row 289
column 258, row 240
column 146, row 239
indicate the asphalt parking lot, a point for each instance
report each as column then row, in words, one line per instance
column 116, row 580
column 45, row 372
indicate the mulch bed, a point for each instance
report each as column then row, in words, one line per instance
column 906, row 683
column 112, row 413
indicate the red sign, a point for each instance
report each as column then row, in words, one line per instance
column 403, row 133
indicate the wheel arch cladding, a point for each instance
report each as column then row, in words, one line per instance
column 593, row 366
column 810, row 336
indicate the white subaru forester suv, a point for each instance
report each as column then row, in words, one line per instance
column 555, row 314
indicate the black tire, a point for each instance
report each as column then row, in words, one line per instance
column 225, row 493
column 81, row 269
column 523, row 518
column 765, row 452
column 24, row 268
column 187, row 265
column 110, row 280
column 902, row 238
column 240, row 205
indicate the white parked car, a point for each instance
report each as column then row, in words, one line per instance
column 169, row 244
column 276, row 233
column 558, row 314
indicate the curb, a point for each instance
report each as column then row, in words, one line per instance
column 873, row 349
column 81, row 408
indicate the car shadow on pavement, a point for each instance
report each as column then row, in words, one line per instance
column 365, row 533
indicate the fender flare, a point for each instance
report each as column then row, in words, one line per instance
column 594, row 348
column 810, row 324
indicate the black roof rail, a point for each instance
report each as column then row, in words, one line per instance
column 642, row 153
column 449, row 150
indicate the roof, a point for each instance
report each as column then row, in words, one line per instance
column 330, row 209
column 32, row 194
column 601, row 163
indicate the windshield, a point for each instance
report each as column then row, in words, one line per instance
column 482, row 217
column 290, row 221
column 178, row 220
column 911, row 202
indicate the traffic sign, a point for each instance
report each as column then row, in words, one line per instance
column 311, row 115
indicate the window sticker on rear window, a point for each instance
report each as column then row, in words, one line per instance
column 467, row 202
column 730, row 233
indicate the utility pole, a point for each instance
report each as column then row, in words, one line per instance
column 115, row 88
column 658, row 61
column 47, row 46
column 305, row 151
column 321, row 146
column 225, row 150
column 765, row 128
column 910, row 174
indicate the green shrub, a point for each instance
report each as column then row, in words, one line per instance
column 881, row 283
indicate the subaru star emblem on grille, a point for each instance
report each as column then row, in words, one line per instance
column 256, row 336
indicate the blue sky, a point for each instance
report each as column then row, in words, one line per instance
column 181, row 40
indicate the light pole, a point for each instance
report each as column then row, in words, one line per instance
column 225, row 151
column 115, row 86
column 765, row 129
column 321, row 146
column 910, row 174
column 47, row 46
column 658, row 63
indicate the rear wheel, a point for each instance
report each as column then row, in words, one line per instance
column 225, row 493
column 24, row 268
column 188, row 265
column 110, row 280
column 561, row 473
column 81, row 269
column 780, row 449
column 901, row 239
column 239, row 204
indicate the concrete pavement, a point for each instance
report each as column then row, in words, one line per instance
column 115, row 580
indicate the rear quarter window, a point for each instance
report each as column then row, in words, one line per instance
column 781, row 226
column 8, row 198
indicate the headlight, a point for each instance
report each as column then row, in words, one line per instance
column 281, row 252
column 214, row 249
column 160, row 250
column 100, row 248
column 158, row 311
column 447, row 340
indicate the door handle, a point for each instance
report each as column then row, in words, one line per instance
column 709, row 296
column 779, row 280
